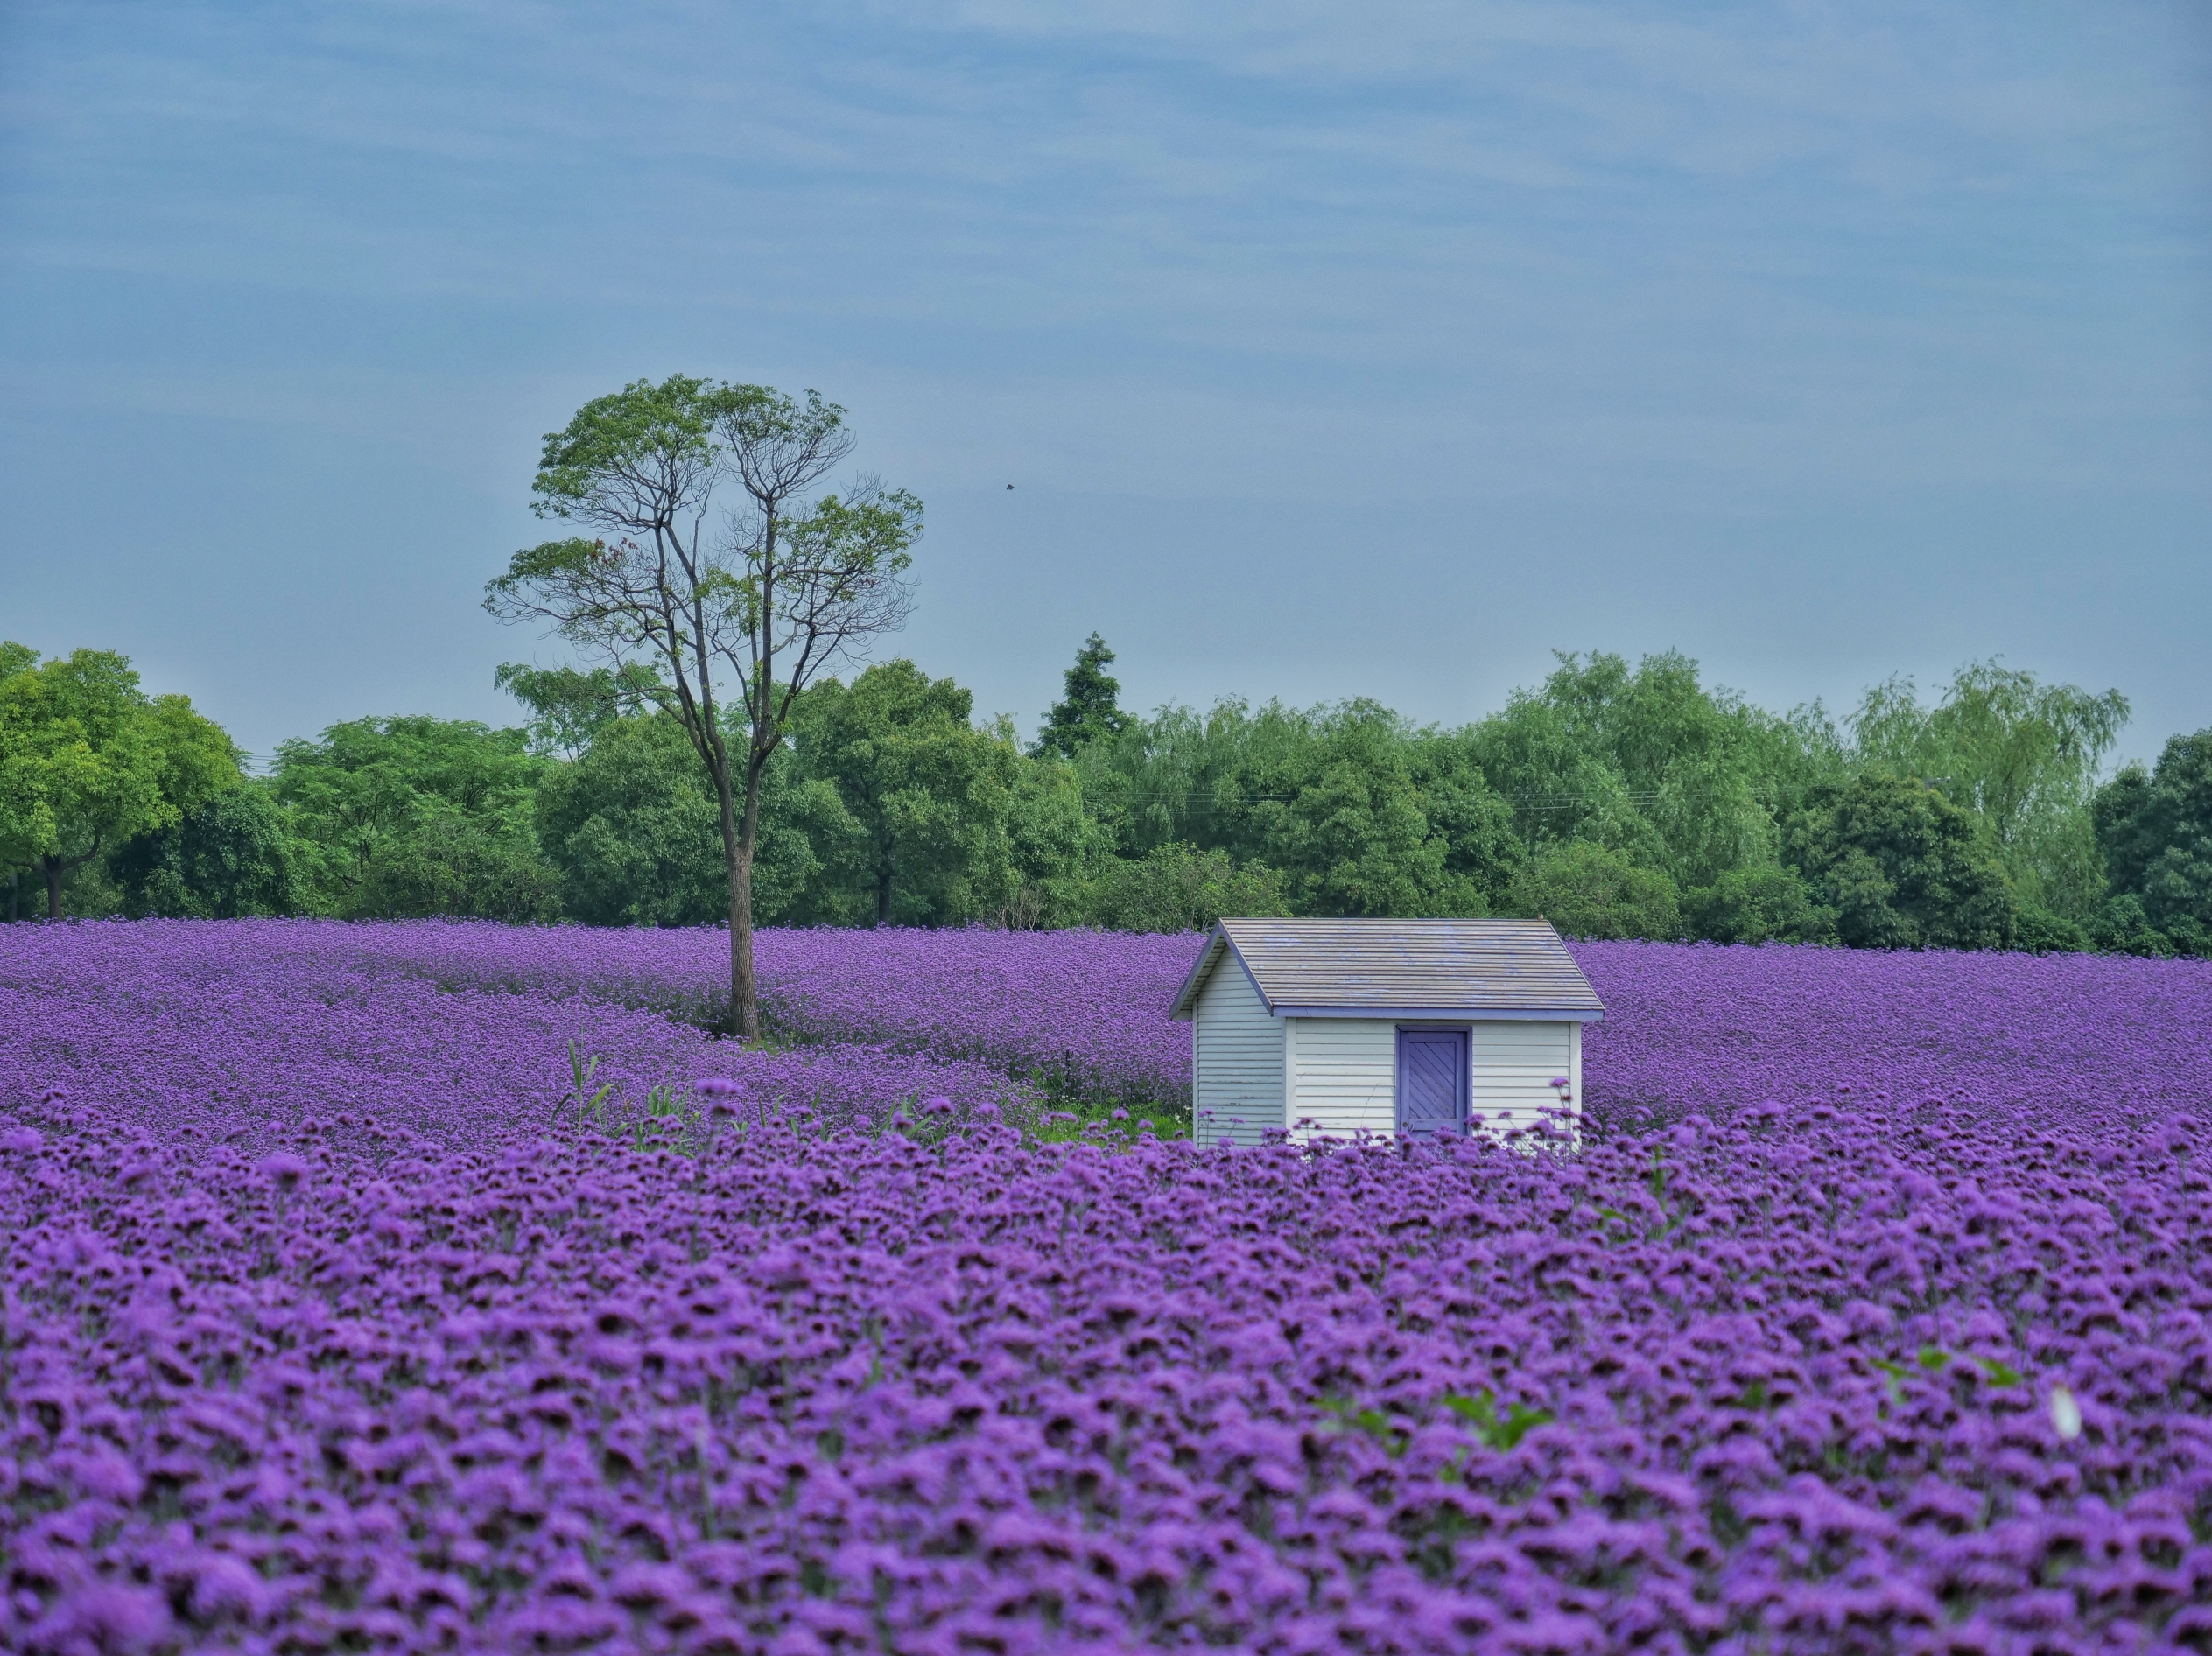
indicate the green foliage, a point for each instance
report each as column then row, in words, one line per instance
column 1156, row 783
column 2155, row 830
column 2023, row 757
column 419, row 817
column 2038, row 931
column 1345, row 821
column 1179, row 888
column 710, row 614
column 919, row 835
column 1089, row 707
column 569, row 708
column 1558, row 789
column 1651, row 763
column 1358, row 811
column 228, row 857
column 1901, row 867
column 632, row 828
column 1055, row 844
column 623, row 455
column 1617, row 801
column 1758, row 905
column 461, row 867
column 1392, row 1430
column 590, row 1098
column 1498, row 1430
column 87, row 762
column 1481, row 851
column 1365, row 814
column 1590, row 890
column 848, row 546
column 2121, row 927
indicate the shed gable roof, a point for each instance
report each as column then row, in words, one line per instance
column 1409, row 968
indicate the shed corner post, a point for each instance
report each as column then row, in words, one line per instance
column 1289, row 1073
column 1198, row 1082
column 1574, row 1072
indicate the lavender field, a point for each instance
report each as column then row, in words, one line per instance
column 1874, row 1313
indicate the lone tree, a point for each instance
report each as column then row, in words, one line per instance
column 690, row 605
column 1090, row 706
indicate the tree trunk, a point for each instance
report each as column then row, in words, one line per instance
column 53, row 870
column 744, row 1020
column 883, row 897
column 745, row 995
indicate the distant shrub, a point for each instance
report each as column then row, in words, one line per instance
column 1901, row 867
column 1593, row 891
column 1178, row 887
column 2038, row 931
column 1758, row 905
column 226, row 859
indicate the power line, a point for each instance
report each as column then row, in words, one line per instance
column 1206, row 803
column 1539, row 801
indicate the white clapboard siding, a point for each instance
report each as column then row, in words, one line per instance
column 1514, row 1064
column 1236, row 1083
column 1344, row 1075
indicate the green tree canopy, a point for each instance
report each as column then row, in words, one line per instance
column 1758, row 905
column 418, row 816
column 1089, row 707
column 87, row 760
column 1649, row 761
column 1901, row 867
column 1482, row 853
column 1358, row 810
column 2155, row 830
column 228, row 857
column 631, row 827
column 568, row 708
column 1344, row 819
column 925, row 796
column 1179, row 888
column 1590, row 890
column 715, row 612
column 1056, row 843
column 2021, row 755
column 461, row 868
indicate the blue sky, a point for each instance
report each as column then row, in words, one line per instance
column 1332, row 350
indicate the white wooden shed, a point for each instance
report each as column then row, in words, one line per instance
column 1383, row 1026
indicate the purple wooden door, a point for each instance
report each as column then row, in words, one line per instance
column 1432, row 1081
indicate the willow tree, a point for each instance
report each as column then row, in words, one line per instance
column 2024, row 755
column 716, row 577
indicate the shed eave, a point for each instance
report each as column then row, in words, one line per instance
column 1185, row 1006
column 1186, row 999
column 1445, row 1014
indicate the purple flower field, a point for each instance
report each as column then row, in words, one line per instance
column 1087, row 1009
column 251, row 1027
column 1767, row 1365
column 1690, row 1027
column 2038, row 1039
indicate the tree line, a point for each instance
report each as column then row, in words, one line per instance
column 1619, row 801
column 717, row 752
